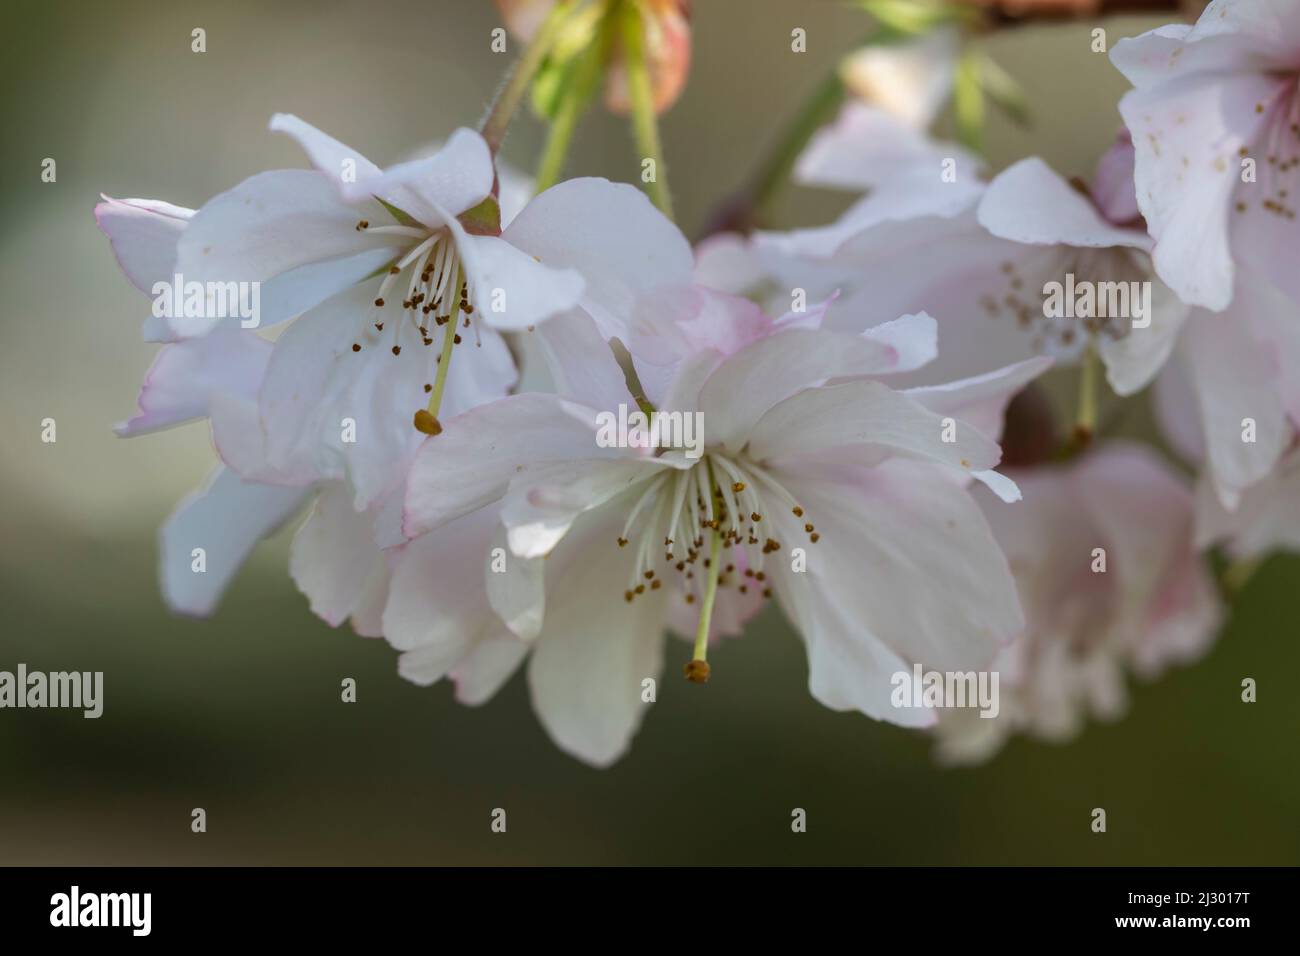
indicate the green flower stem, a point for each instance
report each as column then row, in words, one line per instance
column 586, row 74
column 516, row 86
column 645, row 123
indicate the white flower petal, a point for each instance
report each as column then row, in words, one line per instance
column 143, row 234
column 1029, row 203
column 432, row 189
column 226, row 519
column 334, row 555
column 184, row 377
column 622, row 246
column 327, row 154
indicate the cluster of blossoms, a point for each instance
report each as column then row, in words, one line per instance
column 438, row 401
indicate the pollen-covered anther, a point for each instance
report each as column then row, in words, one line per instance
column 426, row 422
column 696, row 671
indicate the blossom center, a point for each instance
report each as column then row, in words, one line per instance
column 680, row 511
column 430, row 280
column 1092, row 295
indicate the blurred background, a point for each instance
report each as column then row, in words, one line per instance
column 241, row 715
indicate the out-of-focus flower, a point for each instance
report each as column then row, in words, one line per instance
column 1267, row 518
column 867, row 147
column 910, row 79
column 667, row 42
column 1031, row 264
column 1111, row 583
column 1214, row 116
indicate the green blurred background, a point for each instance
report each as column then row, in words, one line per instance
column 241, row 715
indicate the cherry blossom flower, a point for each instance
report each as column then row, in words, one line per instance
column 1265, row 520
column 982, row 261
column 805, row 448
column 1111, row 582
column 1216, row 126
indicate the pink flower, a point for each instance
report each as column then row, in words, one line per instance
column 1111, row 583
column 805, row 446
column 1211, row 101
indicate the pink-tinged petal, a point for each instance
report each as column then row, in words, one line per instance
column 1133, row 360
column 595, row 650
column 867, row 146
column 542, row 505
column 511, row 289
column 456, row 178
column 865, row 421
column 240, row 441
column 265, row 227
column 1142, row 510
column 1266, row 518
column 1029, row 203
column 1153, row 605
column 437, row 609
column 226, row 519
column 350, row 412
column 727, row 262
column 368, row 615
column 580, row 362
column 1275, row 321
column 982, row 399
column 760, row 376
column 1230, row 35
column 1112, row 186
column 913, row 338
column 1175, row 407
column 490, row 663
column 624, row 248
column 1188, row 135
column 473, row 461
column 870, row 603
column 334, row 555
column 292, row 293
column 143, row 234
column 916, row 194
column 336, row 160
column 180, row 385
column 516, row 588
column 1235, row 378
